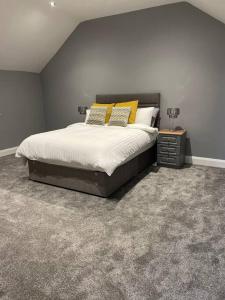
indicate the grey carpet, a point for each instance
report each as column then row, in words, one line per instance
column 163, row 239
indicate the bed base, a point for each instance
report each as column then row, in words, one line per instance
column 91, row 182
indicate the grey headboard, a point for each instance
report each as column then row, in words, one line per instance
column 145, row 100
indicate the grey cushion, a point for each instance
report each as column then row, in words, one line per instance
column 119, row 116
column 97, row 115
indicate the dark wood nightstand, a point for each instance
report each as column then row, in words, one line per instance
column 171, row 148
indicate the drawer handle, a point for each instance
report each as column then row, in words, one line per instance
column 166, row 149
column 164, row 159
column 164, row 139
column 171, row 159
column 163, row 149
column 172, row 140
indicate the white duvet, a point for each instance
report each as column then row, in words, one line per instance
column 98, row 148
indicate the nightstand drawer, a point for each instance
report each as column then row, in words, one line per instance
column 171, row 160
column 168, row 149
column 169, row 139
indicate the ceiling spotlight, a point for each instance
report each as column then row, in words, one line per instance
column 52, row 3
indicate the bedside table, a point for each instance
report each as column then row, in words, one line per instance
column 171, row 148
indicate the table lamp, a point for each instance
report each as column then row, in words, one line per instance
column 82, row 109
column 173, row 113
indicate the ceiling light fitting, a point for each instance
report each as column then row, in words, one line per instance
column 52, row 3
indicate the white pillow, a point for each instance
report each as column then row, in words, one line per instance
column 144, row 115
column 154, row 116
column 87, row 115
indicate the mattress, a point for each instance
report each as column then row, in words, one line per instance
column 89, row 147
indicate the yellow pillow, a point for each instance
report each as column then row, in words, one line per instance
column 133, row 106
column 109, row 109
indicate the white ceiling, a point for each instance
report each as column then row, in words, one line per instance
column 31, row 32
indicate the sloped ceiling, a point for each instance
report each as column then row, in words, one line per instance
column 31, row 31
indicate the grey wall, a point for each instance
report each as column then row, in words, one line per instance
column 21, row 107
column 175, row 49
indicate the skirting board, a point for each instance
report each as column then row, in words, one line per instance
column 9, row 151
column 204, row 161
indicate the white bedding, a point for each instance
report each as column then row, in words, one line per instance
column 98, row 148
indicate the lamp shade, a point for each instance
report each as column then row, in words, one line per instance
column 82, row 109
column 173, row 112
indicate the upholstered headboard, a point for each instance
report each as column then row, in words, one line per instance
column 145, row 100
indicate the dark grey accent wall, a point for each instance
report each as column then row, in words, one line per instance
column 21, row 107
column 176, row 50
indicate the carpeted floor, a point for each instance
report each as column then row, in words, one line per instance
column 163, row 239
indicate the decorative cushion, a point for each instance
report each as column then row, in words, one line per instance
column 119, row 116
column 133, row 105
column 109, row 109
column 97, row 116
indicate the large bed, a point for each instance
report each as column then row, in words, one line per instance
column 104, row 159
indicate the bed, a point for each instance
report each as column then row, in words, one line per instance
column 97, row 181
